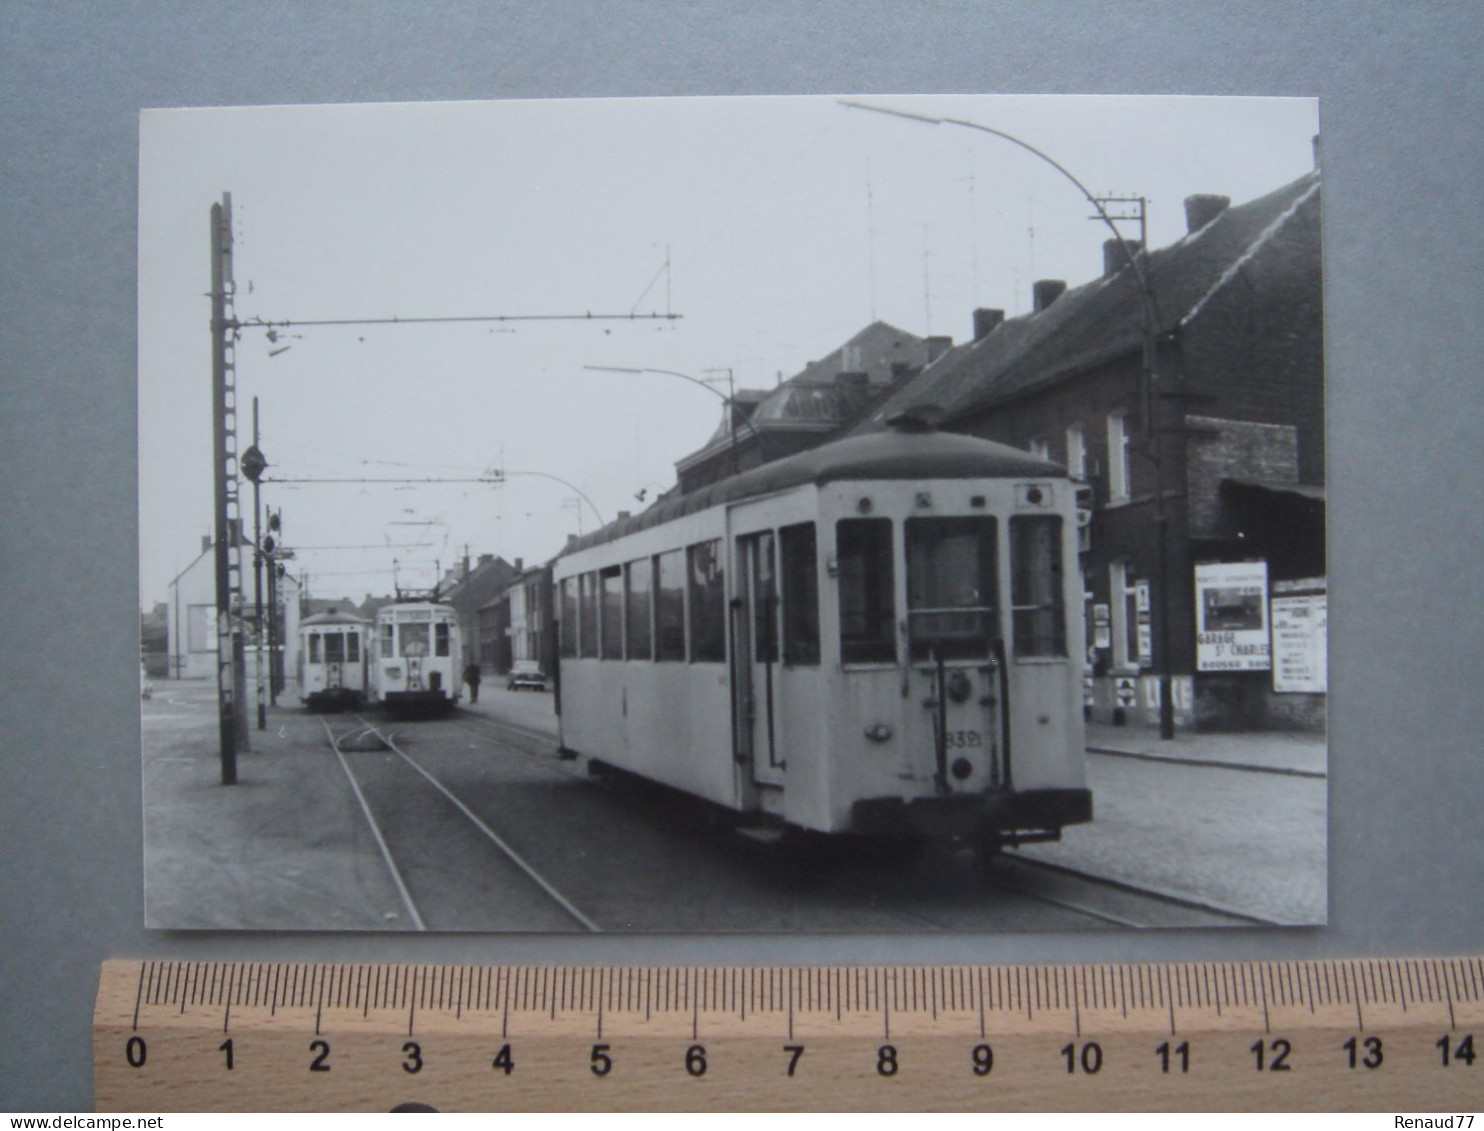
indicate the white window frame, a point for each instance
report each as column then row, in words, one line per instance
column 1076, row 452
column 1118, row 463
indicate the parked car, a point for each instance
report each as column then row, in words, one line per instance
column 526, row 673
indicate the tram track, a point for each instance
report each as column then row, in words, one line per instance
column 387, row 743
column 1102, row 900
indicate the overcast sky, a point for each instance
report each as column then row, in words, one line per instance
column 788, row 224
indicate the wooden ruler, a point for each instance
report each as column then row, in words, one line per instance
column 1392, row 1035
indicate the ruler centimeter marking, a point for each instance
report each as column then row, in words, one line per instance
column 1322, row 1035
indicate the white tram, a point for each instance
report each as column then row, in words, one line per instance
column 879, row 636
column 415, row 655
column 332, row 661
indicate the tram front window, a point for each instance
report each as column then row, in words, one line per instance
column 867, row 608
column 1036, row 585
column 334, row 648
column 413, row 638
column 951, row 587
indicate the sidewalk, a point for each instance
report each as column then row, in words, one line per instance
column 1302, row 755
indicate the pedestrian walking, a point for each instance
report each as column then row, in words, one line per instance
column 471, row 677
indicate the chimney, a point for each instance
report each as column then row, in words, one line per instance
column 1114, row 260
column 1318, row 152
column 985, row 320
column 851, row 394
column 519, row 564
column 205, row 542
column 623, row 515
column 1044, row 292
column 571, row 540
column 1202, row 208
column 937, row 347
column 485, row 559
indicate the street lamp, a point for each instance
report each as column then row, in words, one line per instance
column 729, row 398
column 1150, row 330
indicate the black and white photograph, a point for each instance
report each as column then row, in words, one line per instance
column 882, row 513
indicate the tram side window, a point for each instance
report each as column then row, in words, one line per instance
column 800, row 582
column 708, row 602
column 638, row 584
column 334, row 648
column 314, row 648
column 951, row 587
column 387, row 648
column 569, row 618
column 1036, row 585
column 611, row 598
column 352, row 647
column 587, row 640
column 867, row 606
column 440, row 638
column 669, row 606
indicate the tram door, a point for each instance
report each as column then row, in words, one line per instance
column 755, row 658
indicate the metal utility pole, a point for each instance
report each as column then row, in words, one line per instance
column 253, row 466
column 230, row 665
column 1138, row 209
column 275, row 662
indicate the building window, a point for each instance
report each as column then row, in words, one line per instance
column 1118, row 469
column 611, row 580
column 708, row 603
column 951, row 587
column 1036, row 585
column 1076, row 452
column 800, row 580
column 201, row 628
column 569, row 618
column 638, row 584
column 863, row 553
column 669, row 606
column 1132, row 638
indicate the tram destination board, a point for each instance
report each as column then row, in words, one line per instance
column 1394, row 1035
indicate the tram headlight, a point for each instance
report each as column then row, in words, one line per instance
column 960, row 687
column 878, row 732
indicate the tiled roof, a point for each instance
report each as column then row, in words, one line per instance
column 1101, row 319
column 810, row 397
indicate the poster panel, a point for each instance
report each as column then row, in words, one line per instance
column 1300, row 649
column 1231, row 601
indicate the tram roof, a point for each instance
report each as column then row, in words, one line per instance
column 333, row 617
column 899, row 453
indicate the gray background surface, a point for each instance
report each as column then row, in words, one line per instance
column 1402, row 98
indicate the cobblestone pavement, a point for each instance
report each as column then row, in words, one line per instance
column 1250, row 843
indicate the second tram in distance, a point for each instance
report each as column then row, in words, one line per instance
column 415, row 651
column 878, row 636
column 332, row 661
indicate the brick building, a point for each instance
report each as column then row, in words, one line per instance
column 468, row 588
column 1237, row 408
column 817, row 404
